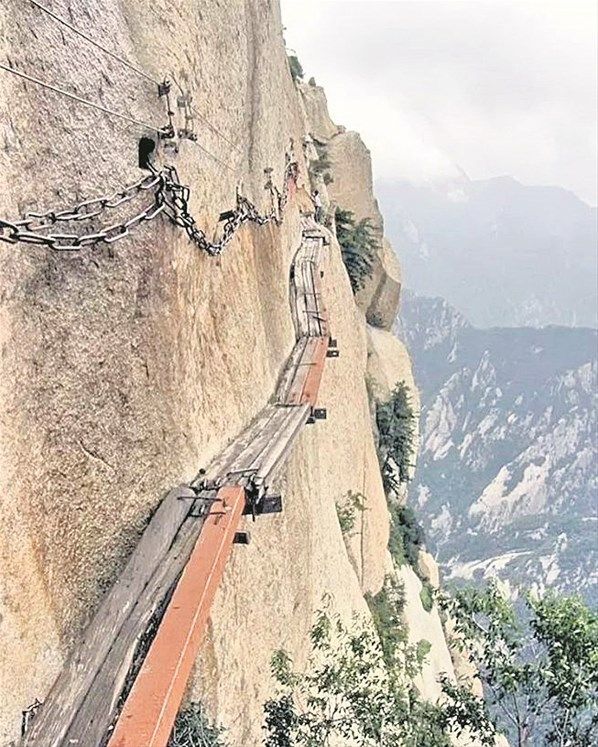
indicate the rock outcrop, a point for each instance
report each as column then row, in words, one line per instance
column 352, row 189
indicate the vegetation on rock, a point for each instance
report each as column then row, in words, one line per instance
column 386, row 608
column 537, row 661
column 358, row 246
column 358, row 686
column 194, row 729
column 347, row 692
column 347, row 510
column 320, row 167
column 296, row 68
column 397, row 428
column 406, row 535
column 426, row 596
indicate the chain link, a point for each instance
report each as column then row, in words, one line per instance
column 170, row 197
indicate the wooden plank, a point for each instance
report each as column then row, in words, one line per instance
column 245, row 462
column 311, row 386
column 103, row 665
column 150, row 710
column 286, row 436
column 283, row 388
column 100, row 706
column 77, row 676
column 298, row 383
column 226, row 460
column 276, row 426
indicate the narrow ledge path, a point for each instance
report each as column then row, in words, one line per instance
column 123, row 684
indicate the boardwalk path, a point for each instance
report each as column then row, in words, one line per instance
column 124, row 683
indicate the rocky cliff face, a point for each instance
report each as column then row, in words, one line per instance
column 351, row 188
column 124, row 370
column 506, row 477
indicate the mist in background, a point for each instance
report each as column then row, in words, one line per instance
column 437, row 88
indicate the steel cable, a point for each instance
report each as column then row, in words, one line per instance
column 80, row 100
column 132, row 67
column 89, row 39
column 202, row 118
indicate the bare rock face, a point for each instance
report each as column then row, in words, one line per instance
column 428, row 568
column 388, row 364
column 319, row 125
column 352, row 189
column 425, row 626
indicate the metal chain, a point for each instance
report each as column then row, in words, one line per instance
column 170, row 197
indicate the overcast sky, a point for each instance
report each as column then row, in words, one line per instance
column 492, row 86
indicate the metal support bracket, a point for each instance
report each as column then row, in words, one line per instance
column 317, row 413
column 268, row 504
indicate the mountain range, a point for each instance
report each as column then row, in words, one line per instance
column 502, row 253
column 506, row 479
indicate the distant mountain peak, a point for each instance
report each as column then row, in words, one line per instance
column 501, row 252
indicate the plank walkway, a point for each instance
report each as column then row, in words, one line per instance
column 123, row 684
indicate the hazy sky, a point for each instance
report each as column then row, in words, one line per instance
column 493, row 86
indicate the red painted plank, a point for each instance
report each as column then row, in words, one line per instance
column 150, row 709
column 311, row 387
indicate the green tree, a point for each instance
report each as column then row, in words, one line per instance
column 406, row 535
column 538, row 663
column 348, row 692
column 358, row 246
column 346, row 510
column 358, row 686
column 397, row 428
column 321, row 165
column 295, row 67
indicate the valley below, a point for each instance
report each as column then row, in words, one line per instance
column 506, row 480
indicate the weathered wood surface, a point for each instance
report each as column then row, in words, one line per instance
column 85, row 699
column 76, row 678
column 272, row 459
column 153, row 703
column 100, row 705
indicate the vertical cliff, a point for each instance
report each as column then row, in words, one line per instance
column 125, row 369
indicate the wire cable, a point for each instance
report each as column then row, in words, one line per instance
column 72, row 96
column 91, row 104
column 205, row 150
column 120, row 59
column 202, row 118
column 85, row 36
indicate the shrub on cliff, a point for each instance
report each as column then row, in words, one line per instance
column 347, row 510
column 320, row 167
column 406, row 535
column 537, row 660
column 357, row 687
column 194, row 729
column 358, row 246
column 397, row 429
column 386, row 608
column 295, row 67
